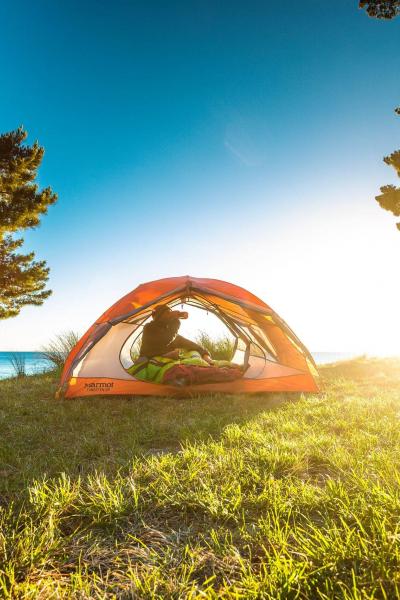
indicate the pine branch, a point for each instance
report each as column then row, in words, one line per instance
column 22, row 278
column 381, row 9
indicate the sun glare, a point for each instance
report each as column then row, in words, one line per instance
column 201, row 320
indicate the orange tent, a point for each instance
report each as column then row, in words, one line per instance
column 276, row 359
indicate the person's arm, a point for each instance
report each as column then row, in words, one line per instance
column 174, row 354
column 181, row 342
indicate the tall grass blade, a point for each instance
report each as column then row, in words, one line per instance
column 18, row 363
column 57, row 350
column 219, row 348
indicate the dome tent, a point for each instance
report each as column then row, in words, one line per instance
column 275, row 358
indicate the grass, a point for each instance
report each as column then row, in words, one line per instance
column 274, row 496
column 58, row 349
column 18, row 364
column 221, row 348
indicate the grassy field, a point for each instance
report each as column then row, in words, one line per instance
column 269, row 496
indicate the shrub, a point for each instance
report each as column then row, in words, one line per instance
column 59, row 347
column 18, row 363
column 219, row 348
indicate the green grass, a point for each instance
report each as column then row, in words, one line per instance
column 274, row 496
column 221, row 348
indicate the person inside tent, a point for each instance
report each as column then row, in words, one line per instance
column 160, row 336
column 169, row 358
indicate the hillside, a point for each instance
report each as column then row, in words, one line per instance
column 274, row 496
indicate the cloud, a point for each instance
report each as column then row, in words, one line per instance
column 240, row 155
column 247, row 140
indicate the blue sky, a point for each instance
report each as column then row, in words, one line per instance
column 242, row 141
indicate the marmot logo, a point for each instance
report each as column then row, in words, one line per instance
column 93, row 387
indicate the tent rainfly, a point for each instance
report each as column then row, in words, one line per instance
column 275, row 358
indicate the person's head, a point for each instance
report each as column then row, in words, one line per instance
column 163, row 313
column 167, row 319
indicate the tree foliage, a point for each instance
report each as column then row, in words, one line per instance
column 389, row 198
column 381, row 9
column 22, row 204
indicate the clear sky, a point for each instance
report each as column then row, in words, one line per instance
column 228, row 139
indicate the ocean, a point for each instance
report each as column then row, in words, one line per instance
column 36, row 363
column 323, row 358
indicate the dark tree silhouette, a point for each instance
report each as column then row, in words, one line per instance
column 22, row 279
column 381, row 9
column 389, row 198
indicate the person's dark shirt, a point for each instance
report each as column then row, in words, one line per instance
column 160, row 337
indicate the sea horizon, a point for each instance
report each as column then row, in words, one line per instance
column 36, row 363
